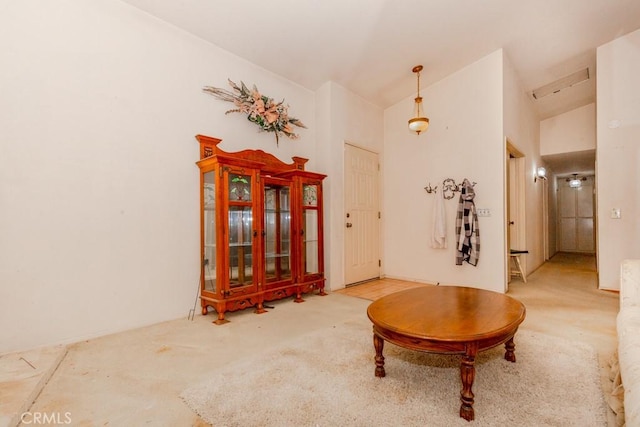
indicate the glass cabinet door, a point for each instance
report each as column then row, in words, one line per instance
column 209, row 231
column 241, row 230
column 310, row 224
column 277, row 231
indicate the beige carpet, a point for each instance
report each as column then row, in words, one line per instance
column 326, row 378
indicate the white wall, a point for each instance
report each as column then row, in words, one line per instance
column 572, row 131
column 342, row 117
column 98, row 187
column 464, row 140
column 618, row 155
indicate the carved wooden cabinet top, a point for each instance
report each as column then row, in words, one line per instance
column 269, row 163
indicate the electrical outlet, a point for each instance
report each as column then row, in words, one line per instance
column 483, row 212
column 615, row 213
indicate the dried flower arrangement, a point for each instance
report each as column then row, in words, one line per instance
column 270, row 116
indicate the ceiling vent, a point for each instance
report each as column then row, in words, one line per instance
column 560, row 84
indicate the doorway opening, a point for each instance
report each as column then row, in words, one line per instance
column 515, row 227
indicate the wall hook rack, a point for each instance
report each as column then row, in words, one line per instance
column 449, row 188
column 430, row 189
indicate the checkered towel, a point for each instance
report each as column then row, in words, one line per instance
column 467, row 231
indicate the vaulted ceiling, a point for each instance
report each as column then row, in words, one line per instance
column 370, row 46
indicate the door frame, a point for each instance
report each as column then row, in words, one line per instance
column 545, row 219
column 514, row 180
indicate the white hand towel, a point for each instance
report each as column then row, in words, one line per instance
column 439, row 235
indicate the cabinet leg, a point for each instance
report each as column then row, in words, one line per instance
column 260, row 309
column 221, row 320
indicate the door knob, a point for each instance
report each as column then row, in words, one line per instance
column 349, row 225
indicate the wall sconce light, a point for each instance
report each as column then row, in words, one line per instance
column 576, row 182
column 540, row 173
column 418, row 123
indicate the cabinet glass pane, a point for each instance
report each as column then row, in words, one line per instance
column 209, row 212
column 239, row 187
column 277, row 229
column 310, row 243
column 240, row 245
column 310, row 195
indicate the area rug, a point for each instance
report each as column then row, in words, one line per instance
column 326, row 378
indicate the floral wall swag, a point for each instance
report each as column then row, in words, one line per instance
column 270, row 116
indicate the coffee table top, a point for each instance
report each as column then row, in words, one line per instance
column 447, row 313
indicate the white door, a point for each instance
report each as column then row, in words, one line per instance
column 575, row 219
column 362, row 215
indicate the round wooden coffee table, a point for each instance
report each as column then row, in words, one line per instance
column 447, row 320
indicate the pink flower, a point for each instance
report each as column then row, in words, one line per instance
column 257, row 108
column 271, row 114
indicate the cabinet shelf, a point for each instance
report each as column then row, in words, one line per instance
column 282, row 211
column 277, row 255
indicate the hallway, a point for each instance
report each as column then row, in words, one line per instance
column 563, row 299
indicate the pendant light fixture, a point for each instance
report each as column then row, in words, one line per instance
column 418, row 123
column 575, row 182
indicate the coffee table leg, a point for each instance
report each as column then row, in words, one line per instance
column 509, row 353
column 468, row 374
column 378, row 343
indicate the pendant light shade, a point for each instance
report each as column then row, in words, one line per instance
column 418, row 123
column 576, row 182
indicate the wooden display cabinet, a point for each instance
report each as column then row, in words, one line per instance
column 261, row 229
